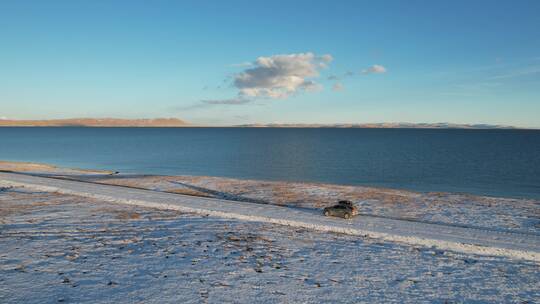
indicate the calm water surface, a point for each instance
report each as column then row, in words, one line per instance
column 491, row 162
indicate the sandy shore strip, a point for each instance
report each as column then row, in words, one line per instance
column 38, row 168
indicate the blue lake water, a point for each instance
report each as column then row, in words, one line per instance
column 490, row 162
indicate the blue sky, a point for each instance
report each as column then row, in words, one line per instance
column 235, row 62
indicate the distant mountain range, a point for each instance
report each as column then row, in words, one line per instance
column 95, row 122
column 399, row 125
column 174, row 122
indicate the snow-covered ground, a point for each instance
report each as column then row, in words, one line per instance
column 62, row 248
column 450, row 208
column 443, row 236
column 521, row 215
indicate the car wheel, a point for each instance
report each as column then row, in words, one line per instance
column 326, row 213
column 347, row 216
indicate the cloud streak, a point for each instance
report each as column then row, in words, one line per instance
column 241, row 65
column 338, row 86
column 209, row 103
column 518, row 73
column 374, row 69
column 231, row 101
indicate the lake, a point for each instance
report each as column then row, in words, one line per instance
column 489, row 162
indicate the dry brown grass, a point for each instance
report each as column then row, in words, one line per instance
column 127, row 215
column 284, row 195
column 384, row 196
column 21, row 203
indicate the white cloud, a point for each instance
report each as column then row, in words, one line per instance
column 327, row 58
column 518, row 73
column 279, row 76
column 209, row 103
column 241, row 65
column 338, row 86
column 375, row 69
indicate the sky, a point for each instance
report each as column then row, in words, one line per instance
column 239, row 62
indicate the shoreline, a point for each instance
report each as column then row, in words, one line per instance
column 282, row 127
column 450, row 208
column 47, row 168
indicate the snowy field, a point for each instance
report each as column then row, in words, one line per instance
column 436, row 207
column 61, row 248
